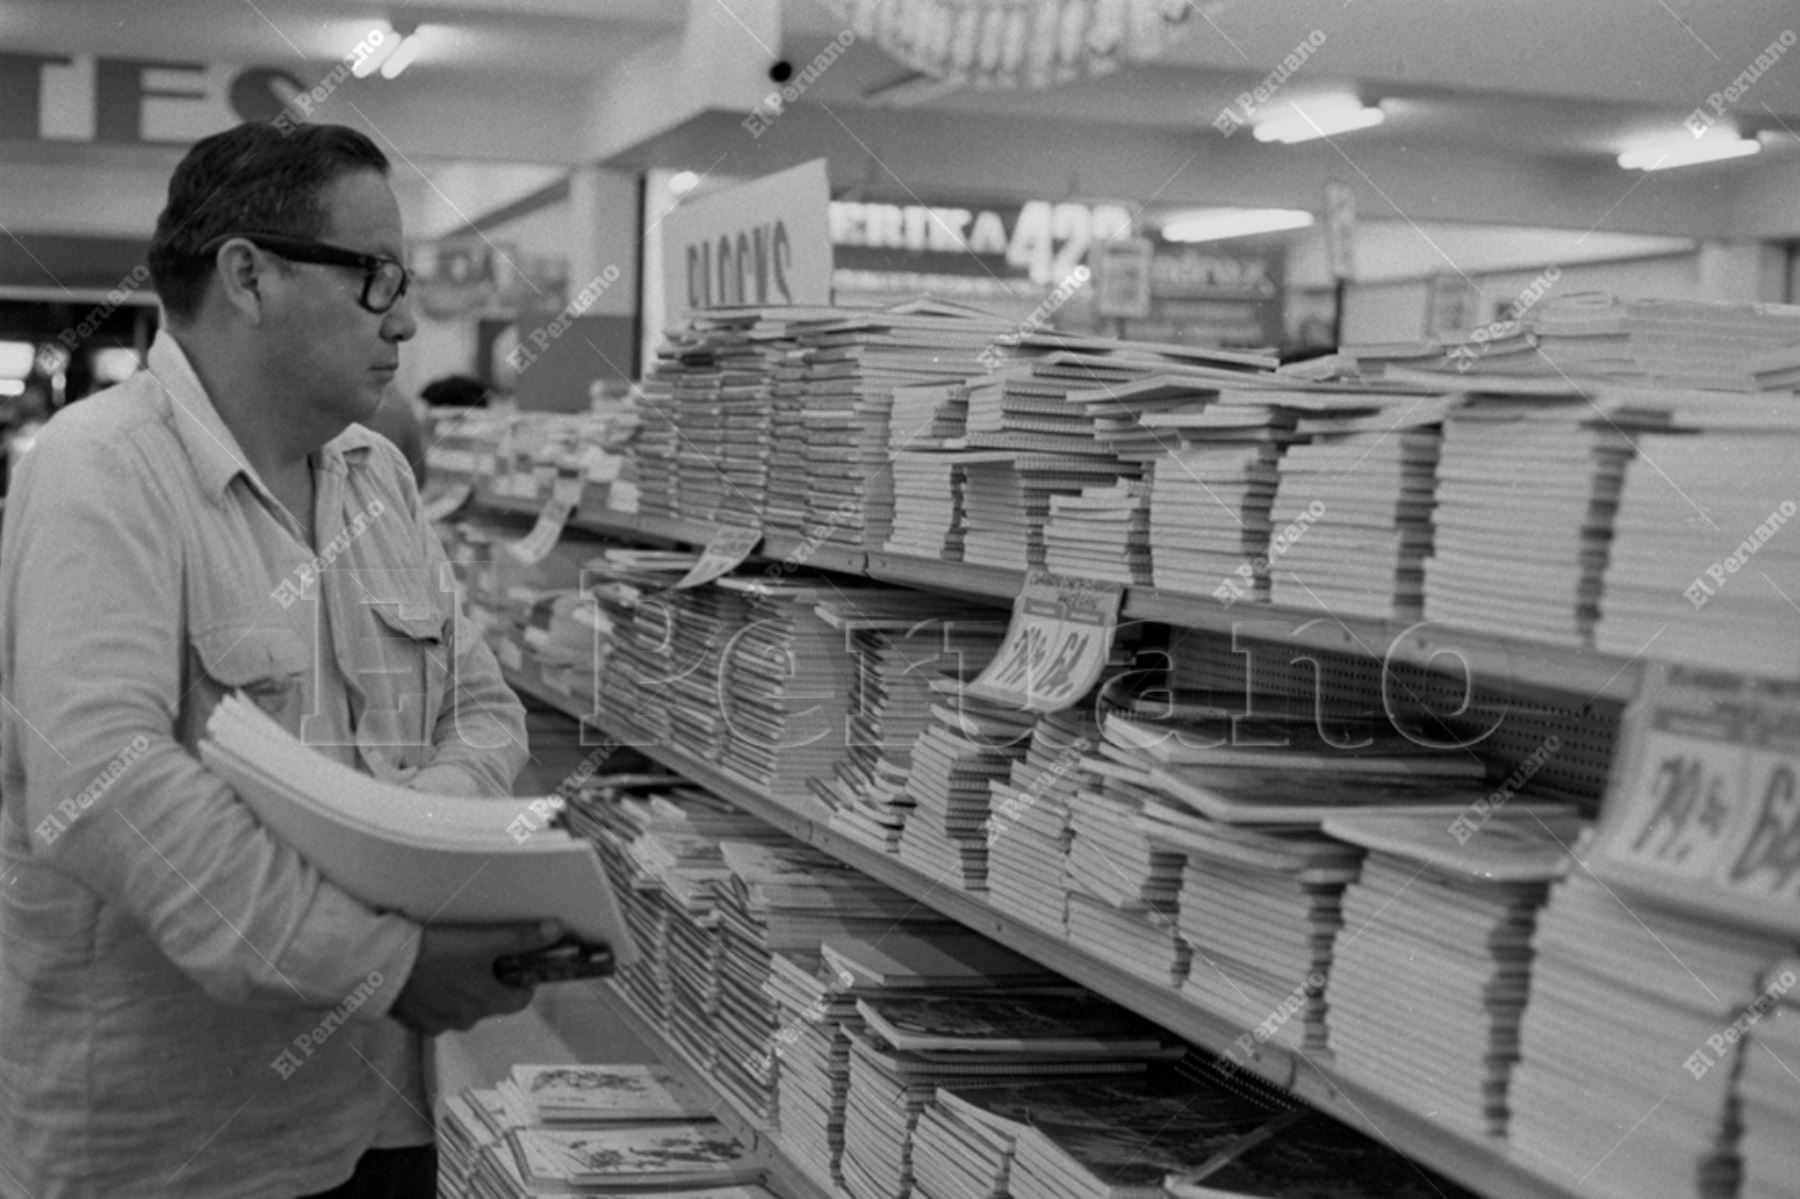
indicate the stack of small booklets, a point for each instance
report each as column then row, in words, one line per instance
column 1209, row 506
column 1028, row 831
column 431, row 857
column 1353, row 506
column 591, row 1129
column 1768, row 1087
column 901, row 641
column 668, row 667
column 714, row 375
column 1430, row 971
column 1629, row 1049
column 1102, row 533
column 971, row 742
column 1237, row 801
column 781, row 897
column 785, row 688
column 854, row 363
column 1705, row 567
column 925, row 454
column 1661, row 343
column 1006, row 500
column 1122, row 886
column 1527, row 488
column 612, row 811
column 909, row 1047
column 812, row 1050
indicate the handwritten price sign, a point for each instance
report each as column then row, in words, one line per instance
column 1060, row 637
column 1704, row 811
column 722, row 555
column 536, row 545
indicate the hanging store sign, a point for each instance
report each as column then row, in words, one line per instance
column 137, row 101
column 1037, row 240
column 761, row 243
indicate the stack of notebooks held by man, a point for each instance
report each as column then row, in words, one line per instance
column 430, row 857
column 592, row 1129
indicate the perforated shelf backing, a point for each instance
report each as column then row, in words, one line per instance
column 1495, row 722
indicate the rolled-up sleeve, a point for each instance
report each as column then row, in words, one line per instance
column 92, row 585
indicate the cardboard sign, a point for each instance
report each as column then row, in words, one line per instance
column 765, row 243
column 1703, row 810
column 536, row 545
column 723, row 554
column 1058, row 643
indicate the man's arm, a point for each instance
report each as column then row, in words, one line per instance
column 92, row 583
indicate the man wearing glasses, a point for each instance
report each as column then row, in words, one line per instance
column 186, row 1007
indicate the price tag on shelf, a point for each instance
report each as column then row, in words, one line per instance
column 723, row 554
column 448, row 502
column 536, row 545
column 1059, row 640
column 1703, row 811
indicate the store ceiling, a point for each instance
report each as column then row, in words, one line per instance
column 1520, row 76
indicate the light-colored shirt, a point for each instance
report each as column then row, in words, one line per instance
column 186, row 1007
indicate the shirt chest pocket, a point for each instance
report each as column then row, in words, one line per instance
column 267, row 663
column 404, row 670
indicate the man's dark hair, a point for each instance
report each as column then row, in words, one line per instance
column 255, row 178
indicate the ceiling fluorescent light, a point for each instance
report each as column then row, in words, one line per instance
column 1320, row 120
column 1216, row 224
column 371, row 53
column 403, row 56
column 1661, row 156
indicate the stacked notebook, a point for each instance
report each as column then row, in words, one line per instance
column 1209, row 505
column 1122, row 886
column 900, row 641
column 1430, row 971
column 780, row 898
column 1028, row 831
column 971, row 742
column 1662, row 343
column 1767, row 1088
column 1706, row 559
column 1526, row 493
column 996, row 1038
column 1102, row 533
column 590, row 1129
column 1625, row 1083
column 854, row 364
column 1006, row 500
column 784, row 690
column 1361, row 506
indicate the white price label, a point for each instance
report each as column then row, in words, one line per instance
column 536, row 545
column 723, row 554
column 1058, row 643
column 1704, row 811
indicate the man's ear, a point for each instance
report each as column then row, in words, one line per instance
column 241, row 271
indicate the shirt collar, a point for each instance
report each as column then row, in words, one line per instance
column 216, row 455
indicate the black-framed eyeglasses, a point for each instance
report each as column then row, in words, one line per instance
column 384, row 279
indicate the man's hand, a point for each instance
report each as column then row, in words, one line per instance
column 452, row 985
